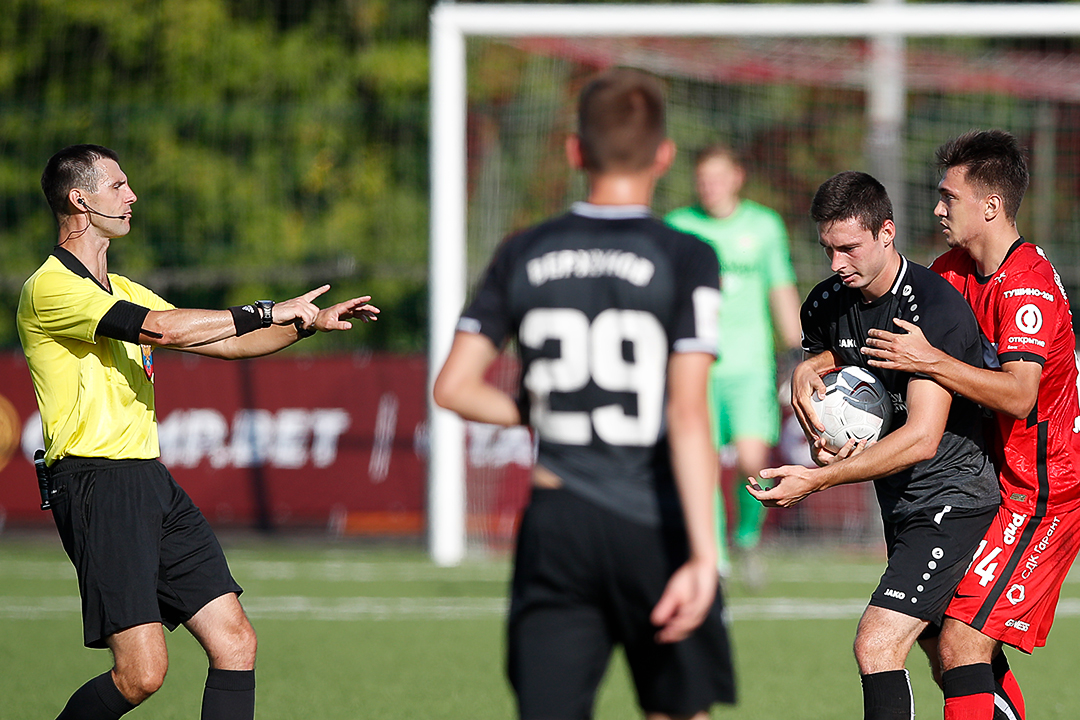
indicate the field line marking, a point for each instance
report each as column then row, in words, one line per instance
column 463, row 608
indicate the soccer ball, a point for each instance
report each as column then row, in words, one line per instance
column 856, row 406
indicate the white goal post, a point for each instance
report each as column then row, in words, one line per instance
column 887, row 23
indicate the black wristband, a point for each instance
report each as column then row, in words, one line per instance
column 246, row 318
column 301, row 331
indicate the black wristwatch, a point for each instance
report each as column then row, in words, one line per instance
column 266, row 311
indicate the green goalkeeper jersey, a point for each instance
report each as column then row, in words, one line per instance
column 752, row 246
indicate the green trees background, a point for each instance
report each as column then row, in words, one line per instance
column 275, row 145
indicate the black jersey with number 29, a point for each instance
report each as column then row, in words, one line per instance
column 598, row 299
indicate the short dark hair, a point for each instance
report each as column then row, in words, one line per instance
column 620, row 120
column 717, row 150
column 850, row 195
column 993, row 161
column 72, row 167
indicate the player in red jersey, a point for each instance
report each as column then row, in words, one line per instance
column 1009, row 593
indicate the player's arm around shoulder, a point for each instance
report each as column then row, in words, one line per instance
column 1011, row 390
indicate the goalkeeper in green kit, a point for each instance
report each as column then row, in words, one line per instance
column 759, row 301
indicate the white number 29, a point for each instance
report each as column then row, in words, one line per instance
column 595, row 351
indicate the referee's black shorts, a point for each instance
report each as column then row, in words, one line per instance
column 142, row 551
column 586, row 579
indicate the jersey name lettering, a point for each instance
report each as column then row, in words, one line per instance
column 561, row 264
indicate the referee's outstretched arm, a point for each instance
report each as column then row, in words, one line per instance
column 223, row 334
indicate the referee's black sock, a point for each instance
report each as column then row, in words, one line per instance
column 98, row 699
column 887, row 696
column 229, row 695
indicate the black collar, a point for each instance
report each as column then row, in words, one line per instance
column 75, row 265
column 983, row 279
column 893, row 289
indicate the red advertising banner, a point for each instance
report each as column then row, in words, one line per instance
column 332, row 441
column 336, row 442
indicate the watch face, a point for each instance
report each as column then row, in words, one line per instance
column 266, row 311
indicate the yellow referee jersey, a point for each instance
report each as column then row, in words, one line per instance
column 96, row 394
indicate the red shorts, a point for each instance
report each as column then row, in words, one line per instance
column 1011, row 589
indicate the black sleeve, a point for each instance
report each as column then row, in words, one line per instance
column 695, row 324
column 814, row 318
column 123, row 322
column 488, row 313
column 949, row 324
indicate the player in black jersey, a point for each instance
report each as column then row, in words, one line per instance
column 615, row 317
column 934, row 481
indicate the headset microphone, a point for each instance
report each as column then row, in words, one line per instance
column 95, row 212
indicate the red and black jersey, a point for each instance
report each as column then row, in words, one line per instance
column 1024, row 314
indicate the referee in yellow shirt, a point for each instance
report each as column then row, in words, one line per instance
column 145, row 556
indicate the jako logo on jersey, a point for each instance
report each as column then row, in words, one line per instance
column 562, row 264
column 889, row 592
column 1018, row 624
column 1015, row 594
column 1010, row 532
column 847, row 343
column 1029, row 319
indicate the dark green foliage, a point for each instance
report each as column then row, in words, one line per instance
column 275, row 145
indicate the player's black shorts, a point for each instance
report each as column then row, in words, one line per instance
column 929, row 552
column 585, row 580
column 142, row 551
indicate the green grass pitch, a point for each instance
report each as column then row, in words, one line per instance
column 352, row 631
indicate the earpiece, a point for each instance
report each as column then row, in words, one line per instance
column 82, row 202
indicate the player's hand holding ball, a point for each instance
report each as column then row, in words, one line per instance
column 824, row 454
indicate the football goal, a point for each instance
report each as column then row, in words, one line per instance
column 801, row 91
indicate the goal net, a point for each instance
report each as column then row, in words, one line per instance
column 798, row 109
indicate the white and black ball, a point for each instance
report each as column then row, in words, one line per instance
column 856, row 406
